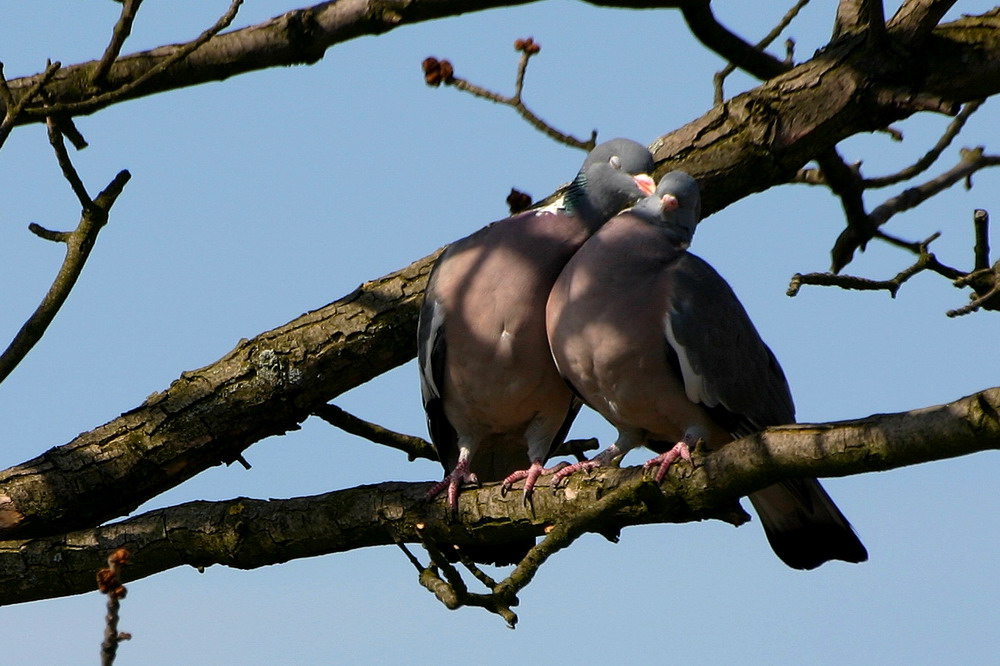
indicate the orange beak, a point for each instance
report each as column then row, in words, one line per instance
column 645, row 183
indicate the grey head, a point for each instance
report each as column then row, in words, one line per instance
column 613, row 177
column 675, row 206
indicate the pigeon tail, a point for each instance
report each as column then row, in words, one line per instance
column 803, row 525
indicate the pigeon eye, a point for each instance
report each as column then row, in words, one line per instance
column 615, row 161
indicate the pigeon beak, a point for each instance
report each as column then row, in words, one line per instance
column 645, row 183
column 668, row 202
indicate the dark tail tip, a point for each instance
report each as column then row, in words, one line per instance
column 813, row 544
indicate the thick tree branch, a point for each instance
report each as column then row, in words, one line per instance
column 265, row 386
column 246, row 533
column 268, row 385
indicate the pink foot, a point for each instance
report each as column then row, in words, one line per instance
column 665, row 460
column 530, row 477
column 570, row 470
column 453, row 482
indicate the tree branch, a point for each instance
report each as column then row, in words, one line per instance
column 123, row 28
column 265, row 386
column 915, row 19
column 268, row 385
column 703, row 25
column 246, row 533
column 79, row 244
column 437, row 72
column 932, row 155
column 721, row 75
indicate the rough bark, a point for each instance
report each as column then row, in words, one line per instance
column 271, row 383
column 265, row 386
column 248, row 533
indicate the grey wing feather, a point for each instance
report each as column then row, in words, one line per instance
column 431, row 350
column 725, row 365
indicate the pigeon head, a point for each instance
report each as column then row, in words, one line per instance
column 675, row 206
column 613, row 177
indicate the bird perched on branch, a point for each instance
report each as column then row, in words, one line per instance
column 654, row 339
column 496, row 405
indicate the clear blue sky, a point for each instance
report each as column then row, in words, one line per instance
column 258, row 198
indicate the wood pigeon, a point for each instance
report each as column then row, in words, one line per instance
column 654, row 339
column 496, row 405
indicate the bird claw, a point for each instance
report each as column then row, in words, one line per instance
column 530, row 477
column 453, row 482
column 680, row 450
column 569, row 470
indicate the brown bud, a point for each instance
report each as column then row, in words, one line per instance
column 437, row 72
column 432, row 71
column 447, row 73
column 527, row 45
column 518, row 201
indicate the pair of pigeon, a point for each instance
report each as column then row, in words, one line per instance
column 597, row 301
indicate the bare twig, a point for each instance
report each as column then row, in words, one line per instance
column 926, row 261
column 68, row 170
column 97, row 101
column 921, row 165
column 981, row 225
column 14, row 109
column 971, row 160
column 989, row 299
column 109, row 583
column 437, row 72
column 704, row 26
column 720, row 76
column 79, row 244
column 454, row 593
column 123, row 28
column 413, row 447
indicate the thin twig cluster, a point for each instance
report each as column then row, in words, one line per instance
column 437, row 72
column 846, row 181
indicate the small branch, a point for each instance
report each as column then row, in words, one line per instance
column 915, row 20
column 66, row 165
column 79, row 243
column 925, row 261
column 845, row 181
column 981, row 224
column 971, row 160
column 109, row 583
column 990, row 299
column 437, row 72
column 413, row 447
column 123, row 28
column 721, row 75
column 97, row 101
column 14, row 109
column 921, row 165
column 707, row 29
column 876, row 33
